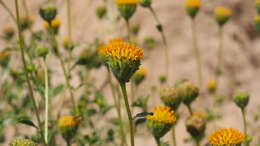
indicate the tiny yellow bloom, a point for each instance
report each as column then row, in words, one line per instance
column 4, row 54
column 226, row 137
column 141, row 71
column 212, row 86
column 192, row 3
column 55, row 23
column 256, row 19
column 126, row 1
column 67, row 121
column 222, row 12
column 162, row 114
column 45, row 24
column 257, row 1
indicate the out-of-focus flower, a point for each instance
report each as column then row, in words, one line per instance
column 48, row 13
column 241, row 99
column 192, row 7
column 22, row 142
column 222, row 15
column 257, row 4
column 257, row 22
column 169, row 97
column 4, row 57
column 8, row 32
column 212, row 86
column 160, row 121
column 68, row 44
column 54, row 25
column 196, row 125
column 188, row 92
column 123, row 58
column 226, row 137
column 146, row 3
column 26, row 22
column 139, row 75
column 101, row 12
column 126, row 8
column 68, row 126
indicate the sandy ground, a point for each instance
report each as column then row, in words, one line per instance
column 241, row 49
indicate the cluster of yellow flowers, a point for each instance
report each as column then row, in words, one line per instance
column 226, row 137
column 162, row 114
column 55, row 23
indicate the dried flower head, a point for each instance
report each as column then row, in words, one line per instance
column 169, row 97
column 226, row 137
column 123, row 58
column 196, row 125
column 22, row 142
column 222, row 15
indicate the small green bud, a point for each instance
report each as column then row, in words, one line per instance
column 145, row 3
column 241, row 99
column 26, row 22
column 48, row 13
column 41, row 51
column 149, row 42
column 127, row 10
column 101, row 12
column 188, row 92
column 162, row 79
column 8, row 33
column 31, row 68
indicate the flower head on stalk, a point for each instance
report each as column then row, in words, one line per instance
column 68, row 126
column 160, row 121
column 54, row 25
column 139, row 75
column 192, row 7
column 226, row 137
column 22, row 142
column 123, row 58
column 222, row 15
column 126, row 8
column 212, row 86
column 169, row 97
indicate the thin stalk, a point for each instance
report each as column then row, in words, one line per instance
column 197, row 142
column 133, row 93
column 174, row 136
column 46, row 94
column 117, row 105
column 219, row 55
column 128, row 30
column 158, row 142
column 8, row 10
column 244, row 121
column 189, row 108
column 197, row 52
column 162, row 33
column 21, row 45
column 129, row 114
column 69, row 17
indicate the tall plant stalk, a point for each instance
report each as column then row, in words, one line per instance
column 219, row 55
column 129, row 114
column 174, row 136
column 244, row 123
column 197, row 52
column 162, row 33
column 22, row 45
column 69, row 18
column 46, row 94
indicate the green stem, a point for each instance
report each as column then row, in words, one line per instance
column 166, row 50
column 197, row 142
column 117, row 105
column 244, row 121
column 158, row 142
column 128, row 30
column 129, row 114
column 189, row 108
column 21, row 44
column 174, row 136
column 219, row 55
column 69, row 18
column 46, row 94
column 197, row 52
column 133, row 93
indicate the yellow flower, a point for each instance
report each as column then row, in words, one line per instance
column 162, row 114
column 257, row 18
column 257, row 1
column 4, row 54
column 122, row 50
column 226, row 137
column 55, row 23
column 67, row 121
column 66, row 41
column 126, row 1
column 22, row 142
column 141, row 71
column 212, row 86
column 222, row 12
column 192, row 3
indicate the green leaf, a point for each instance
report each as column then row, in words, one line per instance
column 26, row 121
column 58, row 89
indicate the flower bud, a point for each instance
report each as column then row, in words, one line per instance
column 192, row 7
column 22, row 142
column 149, row 42
column 169, row 97
column 257, row 4
column 145, row 3
column 101, row 12
column 26, row 22
column 162, row 79
column 196, row 125
column 48, row 13
column 54, row 25
column 67, row 44
column 257, row 23
column 222, row 15
column 160, row 121
column 8, row 33
column 212, row 86
column 41, row 51
column 188, row 92
column 68, row 126
column 241, row 99
column 4, row 57
column 139, row 76
column 126, row 8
